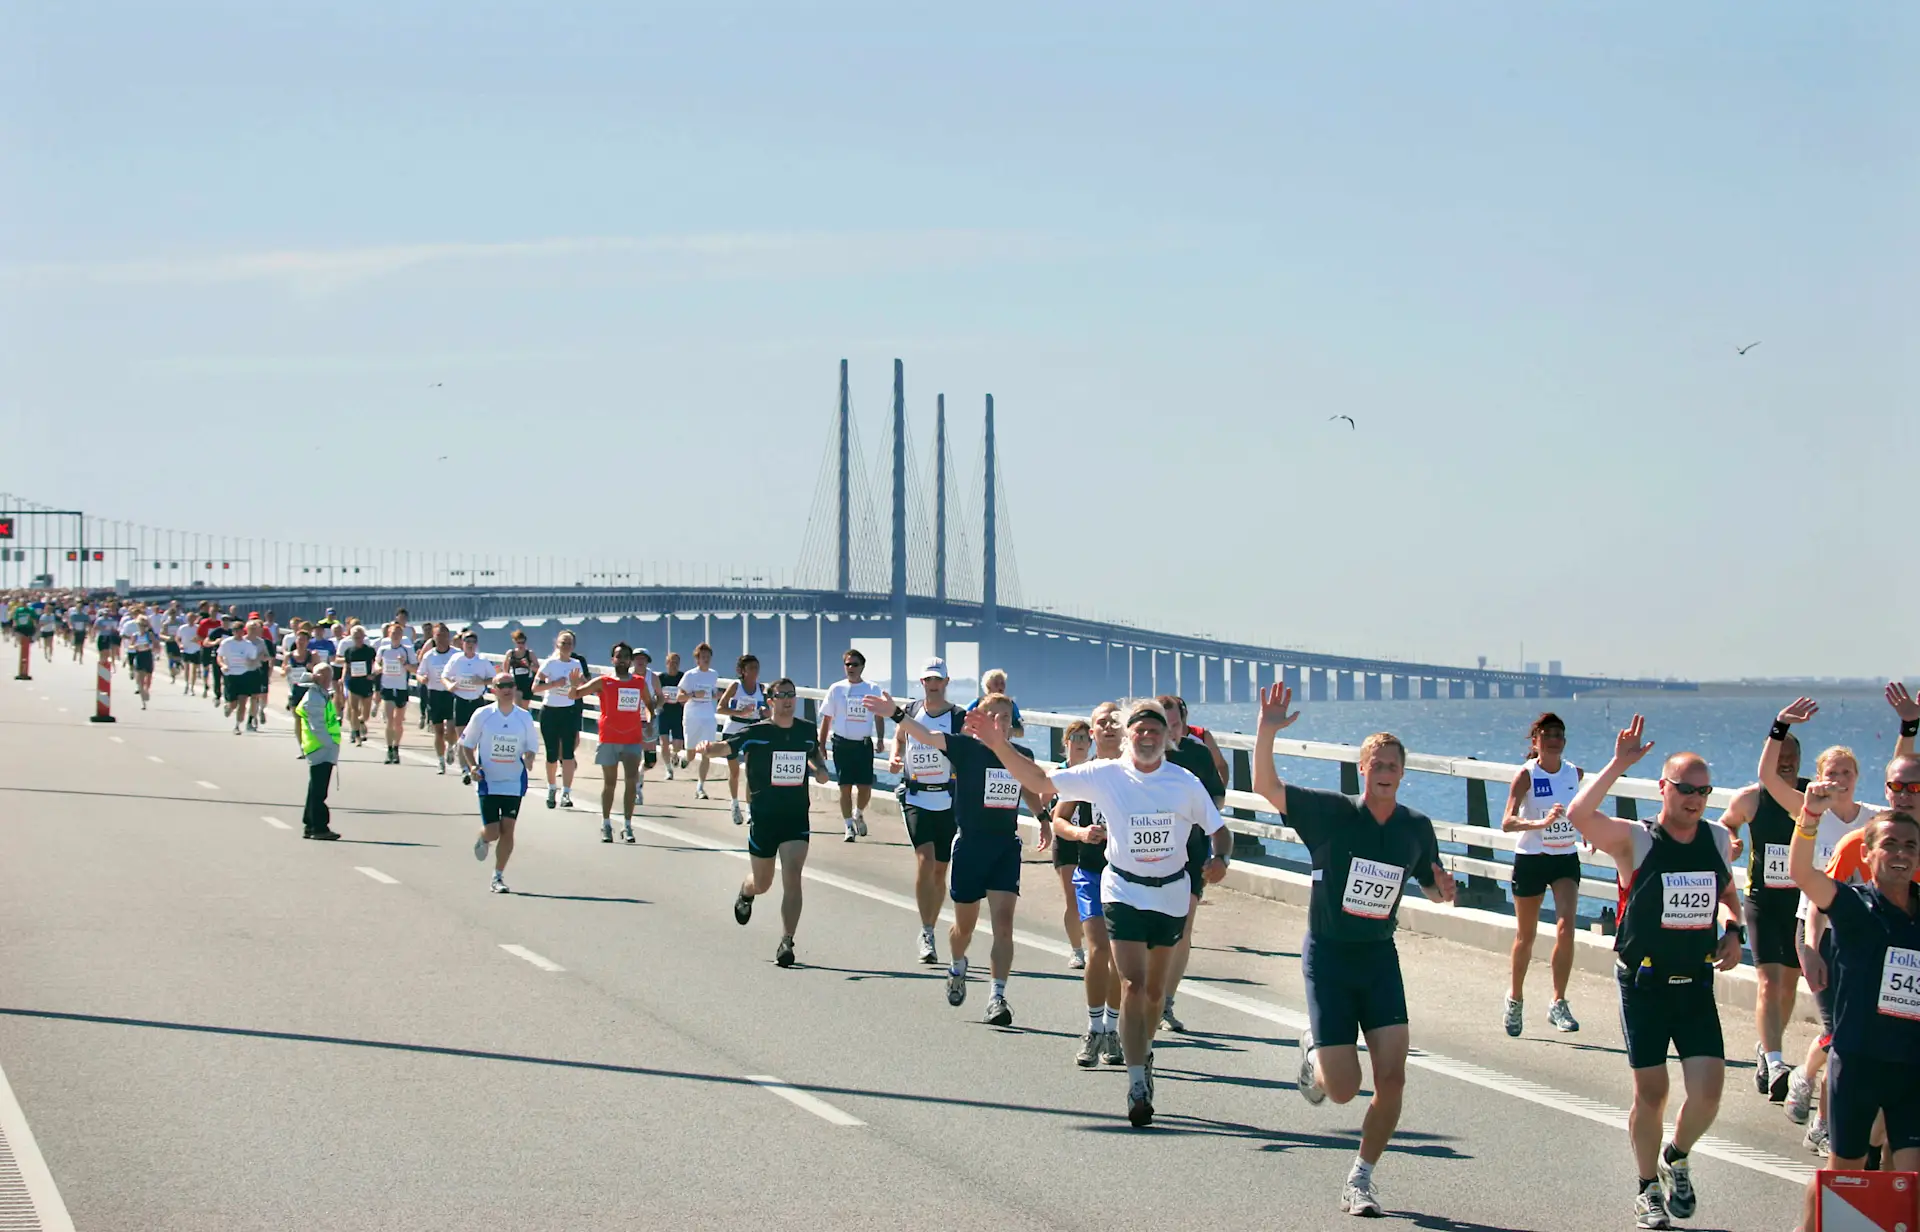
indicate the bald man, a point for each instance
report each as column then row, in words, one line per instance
column 1675, row 870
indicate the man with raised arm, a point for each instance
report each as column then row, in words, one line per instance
column 1672, row 872
column 1364, row 851
column 1149, row 805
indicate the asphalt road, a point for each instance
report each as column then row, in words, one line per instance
column 209, row 1023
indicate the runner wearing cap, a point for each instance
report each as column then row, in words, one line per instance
column 926, row 798
column 625, row 702
column 846, row 727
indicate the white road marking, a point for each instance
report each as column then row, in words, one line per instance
column 155, row 760
column 800, row 1099
column 46, row 1206
column 116, row 739
column 377, row 875
column 207, row 785
column 1755, row 1160
column 276, row 823
column 521, row 951
column 64, row 710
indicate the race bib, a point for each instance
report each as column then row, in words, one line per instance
column 393, row 666
column 626, row 700
column 701, row 695
column 1900, row 983
column 503, row 749
column 1150, row 837
column 926, row 764
column 298, row 675
column 1773, row 870
column 858, row 724
column 1372, row 889
column 789, row 768
column 1559, row 834
column 670, row 693
column 357, row 668
column 1003, row 790
column 1686, row 900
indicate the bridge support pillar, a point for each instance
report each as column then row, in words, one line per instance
column 1212, row 673
column 1402, row 688
column 1482, row 690
column 1532, row 690
column 1429, row 688
column 1342, row 685
column 1370, row 684
column 1290, row 676
column 1316, row 683
column 1456, row 689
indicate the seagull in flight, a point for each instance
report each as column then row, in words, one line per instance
column 1348, row 418
column 1743, row 350
column 436, row 385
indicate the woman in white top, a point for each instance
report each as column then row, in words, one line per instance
column 1546, row 856
column 559, row 716
column 743, row 702
column 188, row 634
column 699, row 691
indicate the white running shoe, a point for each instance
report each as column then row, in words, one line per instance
column 606, row 831
column 480, row 846
column 1357, row 1197
column 859, row 823
column 739, row 818
column 1560, row 1016
column 498, row 885
column 553, row 795
column 566, row 797
column 1512, row 1020
column 1077, row 961
column 626, row 835
column 850, row 834
column 1799, row 1097
column 700, row 791
column 927, row 953
column 1305, row 1079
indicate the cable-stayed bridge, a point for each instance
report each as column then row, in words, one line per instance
column 923, row 548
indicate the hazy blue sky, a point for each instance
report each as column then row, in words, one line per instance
column 1518, row 243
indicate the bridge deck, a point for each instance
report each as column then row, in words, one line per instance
column 209, row 1024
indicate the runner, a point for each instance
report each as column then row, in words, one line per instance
column 670, row 722
column 1773, row 929
column 1544, row 858
column 438, row 707
column 778, row 752
column 926, row 798
column 1672, row 871
column 643, row 668
column 260, row 678
column 624, row 705
column 238, row 655
column 1079, row 826
column 316, row 724
column 986, row 846
column 140, row 646
column 106, row 633
column 846, row 727
column 1194, row 756
column 1076, row 739
column 1364, row 851
column 1149, row 805
column 77, row 624
column 300, row 664
column 743, row 705
column 522, row 665
column 468, row 677
column 497, row 749
column 49, row 621
column 1875, row 976
column 700, row 689
column 559, row 716
column 357, row 657
column 397, row 660
column 212, row 634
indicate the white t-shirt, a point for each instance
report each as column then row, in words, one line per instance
column 127, row 627
column 1832, row 830
column 845, row 706
column 468, row 675
column 1147, row 818
column 924, row 766
column 236, row 656
column 433, row 663
column 1559, row 838
column 394, row 659
column 500, row 743
column 557, row 670
column 189, row 634
column 700, row 689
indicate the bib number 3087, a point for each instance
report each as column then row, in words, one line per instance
column 1372, row 888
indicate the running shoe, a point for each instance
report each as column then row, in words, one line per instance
column 553, row 795
column 859, row 823
column 783, row 953
column 325, row 836
column 1110, row 1050
column 1799, row 1097
column 606, row 832
column 466, row 777
column 699, row 791
column 499, row 885
column 739, row 818
column 1676, row 1179
column 1760, row 1068
column 1168, row 1021
column 1139, row 1104
column 850, row 834
column 626, row 835
column 1304, row 1078
column 1816, row 1138
column 1077, row 961
column 742, row 908
column 999, row 1013
column 1650, row 1209
column 957, row 985
column 1357, row 1197
column 927, row 954
column 443, row 766
column 1560, row 1016
column 480, row 847
column 566, row 797
column 1512, row 1021
column 1089, row 1054
column 1782, row 1082
column 669, row 772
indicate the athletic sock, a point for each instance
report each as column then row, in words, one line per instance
column 1113, row 1021
column 957, row 967
column 1361, row 1170
column 1672, row 1154
column 1136, row 1073
column 1097, row 1021
column 999, row 988
column 1773, row 1059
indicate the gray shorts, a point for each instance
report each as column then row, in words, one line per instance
column 613, row 754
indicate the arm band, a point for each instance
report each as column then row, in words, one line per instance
column 1910, row 727
column 1779, row 730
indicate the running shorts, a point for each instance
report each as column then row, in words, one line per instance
column 140, row 660
column 258, row 680
column 1770, row 931
column 610, row 754
column 1823, row 996
column 397, row 698
column 984, row 863
column 495, row 809
column 1683, row 1015
column 559, row 731
column 1352, row 987
column 1086, row 894
column 766, row 833
column 464, row 708
column 359, row 686
column 106, row 642
column 1860, row 1088
column 439, row 706
column 853, row 762
column 1066, row 852
column 1533, row 874
column 296, row 693
column 669, row 721
column 930, row 827
column 1157, row 929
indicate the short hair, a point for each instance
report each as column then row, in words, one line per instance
column 673, row 656
column 1095, row 712
column 1680, row 763
column 992, row 674
column 740, row 664
column 1873, row 838
column 703, row 646
column 1170, row 703
column 1371, row 746
column 1904, row 759
column 617, row 647
column 1791, row 743
column 785, row 682
column 505, row 680
column 997, row 701
column 855, row 655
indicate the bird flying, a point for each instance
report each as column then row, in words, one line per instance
column 1743, row 350
column 1348, row 418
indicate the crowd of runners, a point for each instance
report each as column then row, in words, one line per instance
column 1132, row 817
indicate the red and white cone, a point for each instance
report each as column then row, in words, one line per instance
column 103, row 695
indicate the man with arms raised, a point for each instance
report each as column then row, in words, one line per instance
column 1672, row 871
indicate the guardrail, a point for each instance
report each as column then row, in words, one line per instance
column 1478, row 834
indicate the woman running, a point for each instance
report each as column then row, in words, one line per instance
column 1544, row 858
column 521, row 664
column 1078, row 740
column 1081, row 827
column 670, row 723
column 396, row 658
column 140, row 658
column 699, row 690
column 559, row 716
column 743, row 703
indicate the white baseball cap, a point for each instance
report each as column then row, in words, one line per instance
column 934, row 669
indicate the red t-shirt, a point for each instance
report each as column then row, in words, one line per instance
column 623, row 709
column 207, row 625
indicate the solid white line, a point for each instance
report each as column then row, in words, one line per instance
column 207, row 785
column 800, row 1099
column 521, row 951
column 155, row 760
column 63, row 710
column 1464, row 1071
column 48, row 1207
column 377, row 875
column 276, row 823
column 116, row 739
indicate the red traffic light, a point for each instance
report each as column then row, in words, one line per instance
column 99, row 555
column 6, row 528
column 73, row 556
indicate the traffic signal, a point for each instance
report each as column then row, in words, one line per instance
column 6, row 528
column 73, row 556
column 99, row 555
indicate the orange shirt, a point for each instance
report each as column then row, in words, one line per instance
column 1849, row 861
column 623, row 709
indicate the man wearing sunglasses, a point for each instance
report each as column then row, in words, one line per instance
column 779, row 751
column 497, row 749
column 1673, row 871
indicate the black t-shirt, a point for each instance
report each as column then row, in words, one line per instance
column 1193, row 756
column 362, row 653
column 1876, row 976
column 779, row 760
column 986, row 798
column 669, row 680
column 1360, row 866
column 1092, row 856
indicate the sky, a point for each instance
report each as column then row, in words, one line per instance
column 262, row 266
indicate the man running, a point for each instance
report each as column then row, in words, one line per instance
column 1193, row 755
column 468, row 677
column 670, row 722
column 846, row 728
column 1544, row 859
column 358, row 657
column 497, row 749
column 434, row 658
column 624, row 704
column 1364, row 852
column 1672, row 871
column 238, row 656
column 316, row 722
column 926, row 798
column 986, row 846
column 396, row 658
column 778, row 753
column 743, row 704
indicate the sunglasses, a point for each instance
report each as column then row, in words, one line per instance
column 1079, row 738
column 781, row 697
column 1688, row 789
column 1906, row 789
column 504, row 688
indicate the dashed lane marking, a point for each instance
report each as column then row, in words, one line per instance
column 276, row 823
column 207, row 785
column 377, row 875
column 521, row 951
column 155, row 760
column 800, row 1099
column 116, row 739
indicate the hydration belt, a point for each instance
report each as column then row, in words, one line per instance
column 1137, row 879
